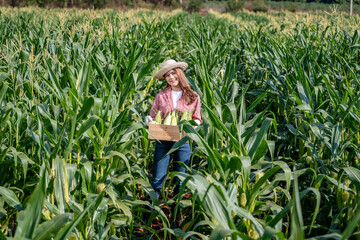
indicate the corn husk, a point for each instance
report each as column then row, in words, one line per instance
column 253, row 233
column 158, row 117
column 46, row 214
column 189, row 116
column 345, row 196
column 173, row 119
column 243, row 200
column 167, row 120
column 100, row 187
column 185, row 116
column 347, row 182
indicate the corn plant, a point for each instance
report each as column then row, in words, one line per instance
column 275, row 158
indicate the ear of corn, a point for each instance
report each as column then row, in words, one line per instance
column 158, row 117
column 173, row 118
column 243, row 200
column 185, row 115
column 189, row 115
column 167, row 120
column 345, row 196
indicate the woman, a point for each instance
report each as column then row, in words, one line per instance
column 176, row 95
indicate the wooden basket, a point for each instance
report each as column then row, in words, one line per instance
column 165, row 132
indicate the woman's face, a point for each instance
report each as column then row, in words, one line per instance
column 171, row 78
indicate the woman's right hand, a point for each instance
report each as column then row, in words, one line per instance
column 148, row 119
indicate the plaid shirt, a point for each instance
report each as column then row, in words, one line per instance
column 164, row 103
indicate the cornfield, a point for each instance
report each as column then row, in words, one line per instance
column 277, row 156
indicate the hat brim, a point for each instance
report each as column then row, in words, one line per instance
column 160, row 74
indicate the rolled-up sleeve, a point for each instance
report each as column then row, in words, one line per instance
column 197, row 111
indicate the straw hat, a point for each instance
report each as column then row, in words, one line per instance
column 168, row 65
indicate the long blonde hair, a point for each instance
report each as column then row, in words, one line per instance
column 190, row 95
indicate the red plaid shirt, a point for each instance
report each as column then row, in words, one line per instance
column 164, row 102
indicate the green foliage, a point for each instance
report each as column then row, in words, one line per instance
column 234, row 5
column 99, row 3
column 296, row 6
column 276, row 156
column 258, row 6
column 231, row 5
column 292, row 7
column 194, row 5
column 249, row 17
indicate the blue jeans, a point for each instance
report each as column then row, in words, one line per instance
column 161, row 163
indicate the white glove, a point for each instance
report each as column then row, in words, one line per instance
column 148, row 119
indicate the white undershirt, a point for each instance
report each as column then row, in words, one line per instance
column 176, row 95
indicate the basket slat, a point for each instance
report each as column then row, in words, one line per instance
column 165, row 132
